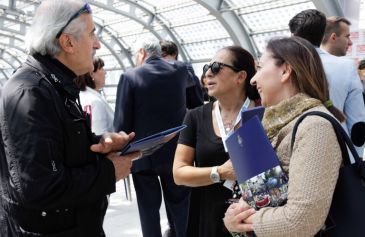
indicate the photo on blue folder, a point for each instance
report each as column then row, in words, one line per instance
column 269, row 188
column 259, row 174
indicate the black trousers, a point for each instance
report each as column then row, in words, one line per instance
column 148, row 185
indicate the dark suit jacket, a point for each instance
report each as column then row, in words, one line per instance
column 194, row 92
column 151, row 98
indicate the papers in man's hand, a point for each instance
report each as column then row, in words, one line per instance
column 150, row 144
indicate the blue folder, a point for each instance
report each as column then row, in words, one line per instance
column 250, row 150
column 255, row 111
column 150, row 144
column 260, row 177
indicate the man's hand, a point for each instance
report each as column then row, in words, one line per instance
column 122, row 164
column 111, row 142
column 238, row 217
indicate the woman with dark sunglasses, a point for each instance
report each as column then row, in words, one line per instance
column 201, row 159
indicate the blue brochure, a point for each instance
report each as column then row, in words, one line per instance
column 248, row 114
column 259, row 175
column 150, row 144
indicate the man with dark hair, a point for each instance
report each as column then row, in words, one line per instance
column 169, row 49
column 310, row 25
column 344, row 82
column 194, row 93
column 336, row 40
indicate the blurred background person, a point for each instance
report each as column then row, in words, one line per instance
column 336, row 39
column 92, row 101
column 201, row 160
column 194, row 95
column 291, row 81
column 203, row 84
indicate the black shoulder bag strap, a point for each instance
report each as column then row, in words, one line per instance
column 342, row 137
column 347, row 209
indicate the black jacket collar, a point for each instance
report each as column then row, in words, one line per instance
column 152, row 58
column 49, row 66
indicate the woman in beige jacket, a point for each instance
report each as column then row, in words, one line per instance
column 291, row 81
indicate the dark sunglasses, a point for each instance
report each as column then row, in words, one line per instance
column 215, row 67
column 85, row 9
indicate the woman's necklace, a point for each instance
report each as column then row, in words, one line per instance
column 228, row 125
column 225, row 130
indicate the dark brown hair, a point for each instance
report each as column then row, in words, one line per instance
column 307, row 70
column 309, row 24
column 86, row 80
column 168, row 48
column 243, row 60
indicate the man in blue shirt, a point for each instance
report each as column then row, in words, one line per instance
column 336, row 40
column 344, row 83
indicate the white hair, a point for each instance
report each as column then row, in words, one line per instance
column 48, row 20
column 150, row 45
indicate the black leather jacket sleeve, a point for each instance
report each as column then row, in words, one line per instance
column 49, row 158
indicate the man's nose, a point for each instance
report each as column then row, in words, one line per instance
column 96, row 43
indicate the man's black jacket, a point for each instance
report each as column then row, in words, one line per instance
column 51, row 183
column 151, row 98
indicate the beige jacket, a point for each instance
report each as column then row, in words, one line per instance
column 313, row 171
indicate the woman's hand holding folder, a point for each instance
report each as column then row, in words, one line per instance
column 238, row 217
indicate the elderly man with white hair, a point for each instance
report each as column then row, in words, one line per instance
column 55, row 174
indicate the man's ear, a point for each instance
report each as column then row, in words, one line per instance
column 143, row 54
column 66, row 43
column 333, row 36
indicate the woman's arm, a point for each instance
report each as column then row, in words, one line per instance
column 186, row 174
column 184, row 171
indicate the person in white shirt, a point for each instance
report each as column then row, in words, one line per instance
column 93, row 102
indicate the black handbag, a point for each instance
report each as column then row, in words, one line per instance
column 347, row 211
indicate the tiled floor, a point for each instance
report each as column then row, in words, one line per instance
column 122, row 219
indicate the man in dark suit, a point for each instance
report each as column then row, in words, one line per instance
column 194, row 92
column 151, row 98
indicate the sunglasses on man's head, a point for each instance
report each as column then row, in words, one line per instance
column 85, row 9
column 215, row 67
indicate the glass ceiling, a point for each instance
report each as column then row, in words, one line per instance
column 199, row 27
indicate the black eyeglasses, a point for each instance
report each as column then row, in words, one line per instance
column 85, row 9
column 215, row 67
